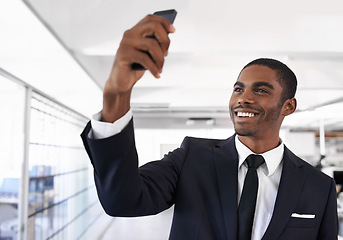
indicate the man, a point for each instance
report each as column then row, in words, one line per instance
column 205, row 178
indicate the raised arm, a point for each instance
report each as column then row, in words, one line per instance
column 147, row 44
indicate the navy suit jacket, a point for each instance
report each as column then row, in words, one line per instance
column 200, row 178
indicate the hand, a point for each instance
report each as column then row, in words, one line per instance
column 146, row 43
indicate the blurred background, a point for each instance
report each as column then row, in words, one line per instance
column 55, row 57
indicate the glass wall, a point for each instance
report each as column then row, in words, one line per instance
column 58, row 172
column 11, row 148
column 59, row 197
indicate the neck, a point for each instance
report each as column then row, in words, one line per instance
column 258, row 145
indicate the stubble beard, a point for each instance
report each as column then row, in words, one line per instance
column 245, row 132
column 254, row 130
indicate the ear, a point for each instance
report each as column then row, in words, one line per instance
column 289, row 106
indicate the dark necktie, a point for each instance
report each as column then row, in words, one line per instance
column 247, row 204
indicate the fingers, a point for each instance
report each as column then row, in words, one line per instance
column 145, row 51
column 147, row 43
column 168, row 26
column 158, row 28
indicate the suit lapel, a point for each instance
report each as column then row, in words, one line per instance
column 226, row 161
column 291, row 182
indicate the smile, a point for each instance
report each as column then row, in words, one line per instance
column 246, row 114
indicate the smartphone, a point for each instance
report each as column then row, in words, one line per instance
column 167, row 14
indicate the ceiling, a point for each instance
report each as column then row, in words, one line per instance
column 212, row 42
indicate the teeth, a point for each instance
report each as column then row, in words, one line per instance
column 245, row 114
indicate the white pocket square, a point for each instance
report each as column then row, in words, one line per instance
column 297, row 215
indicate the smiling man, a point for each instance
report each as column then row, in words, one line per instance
column 249, row 186
column 263, row 95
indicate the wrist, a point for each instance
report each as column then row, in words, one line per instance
column 115, row 106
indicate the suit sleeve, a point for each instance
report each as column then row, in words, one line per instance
column 123, row 188
column 329, row 226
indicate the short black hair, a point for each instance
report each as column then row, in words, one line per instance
column 285, row 76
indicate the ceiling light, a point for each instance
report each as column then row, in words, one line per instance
column 200, row 122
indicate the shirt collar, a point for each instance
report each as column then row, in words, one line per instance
column 272, row 157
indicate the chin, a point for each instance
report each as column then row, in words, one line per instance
column 245, row 132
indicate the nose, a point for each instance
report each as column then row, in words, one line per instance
column 245, row 97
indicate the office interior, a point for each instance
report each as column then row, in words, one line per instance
column 55, row 57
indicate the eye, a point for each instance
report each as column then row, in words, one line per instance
column 262, row 91
column 237, row 89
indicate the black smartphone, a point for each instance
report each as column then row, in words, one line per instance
column 167, row 14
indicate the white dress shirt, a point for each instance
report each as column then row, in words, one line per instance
column 104, row 129
column 268, row 173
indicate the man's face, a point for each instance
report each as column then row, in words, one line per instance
column 255, row 105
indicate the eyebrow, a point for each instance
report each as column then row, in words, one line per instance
column 256, row 84
column 239, row 84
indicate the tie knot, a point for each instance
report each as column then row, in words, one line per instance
column 254, row 161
